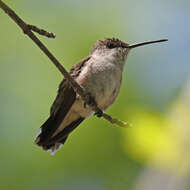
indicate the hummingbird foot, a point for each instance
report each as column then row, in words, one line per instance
column 99, row 113
column 90, row 100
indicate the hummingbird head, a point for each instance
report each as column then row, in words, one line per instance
column 113, row 44
column 111, row 50
column 115, row 50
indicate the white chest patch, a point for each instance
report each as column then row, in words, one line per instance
column 103, row 81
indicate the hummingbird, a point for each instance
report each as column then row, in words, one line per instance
column 100, row 75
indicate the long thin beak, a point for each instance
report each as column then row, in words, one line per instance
column 146, row 43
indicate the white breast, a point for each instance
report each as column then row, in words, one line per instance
column 103, row 81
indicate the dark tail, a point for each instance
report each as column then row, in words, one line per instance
column 52, row 143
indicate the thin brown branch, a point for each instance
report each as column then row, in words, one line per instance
column 41, row 31
column 115, row 121
column 78, row 89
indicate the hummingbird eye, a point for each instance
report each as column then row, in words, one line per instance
column 111, row 45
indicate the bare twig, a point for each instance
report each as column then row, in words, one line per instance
column 115, row 121
column 41, row 31
column 78, row 89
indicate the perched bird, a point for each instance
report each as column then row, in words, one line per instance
column 100, row 74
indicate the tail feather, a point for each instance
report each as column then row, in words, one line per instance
column 52, row 146
column 65, row 99
column 64, row 133
column 55, row 148
column 53, row 143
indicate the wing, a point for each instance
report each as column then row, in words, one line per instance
column 59, row 110
column 64, row 87
column 65, row 98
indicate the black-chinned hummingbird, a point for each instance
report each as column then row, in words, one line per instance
column 100, row 74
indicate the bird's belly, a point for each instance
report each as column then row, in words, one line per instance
column 104, row 88
column 107, row 94
column 104, row 94
column 103, row 83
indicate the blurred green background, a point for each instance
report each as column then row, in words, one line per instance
column 155, row 97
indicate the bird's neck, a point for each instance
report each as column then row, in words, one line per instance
column 110, row 58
